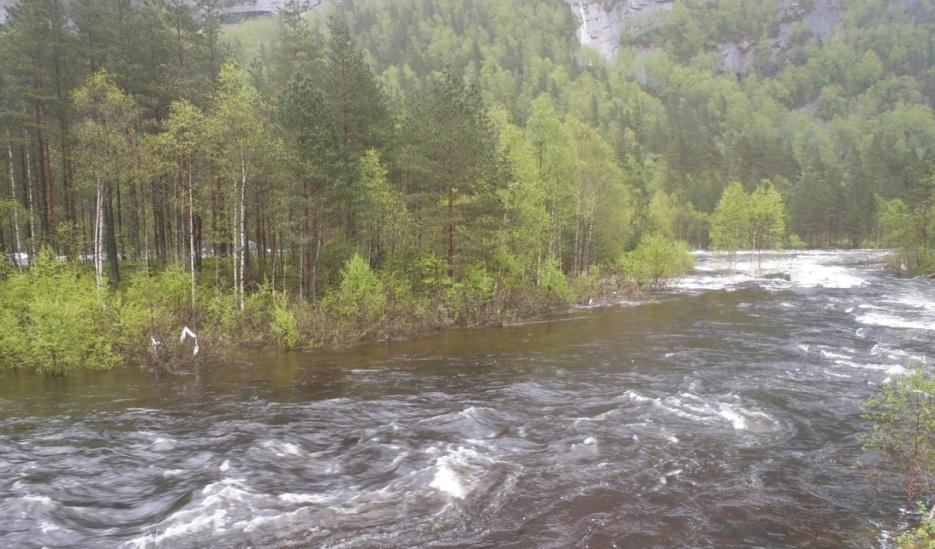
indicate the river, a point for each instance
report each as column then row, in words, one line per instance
column 722, row 413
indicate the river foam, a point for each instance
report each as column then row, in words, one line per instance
column 809, row 269
column 458, row 470
column 709, row 410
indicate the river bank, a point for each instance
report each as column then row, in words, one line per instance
column 722, row 412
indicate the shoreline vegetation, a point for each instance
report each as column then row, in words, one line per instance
column 55, row 318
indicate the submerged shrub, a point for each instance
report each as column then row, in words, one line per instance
column 902, row 416
column 154, row 305
column 13, row 343
column 902, row 441
column 283, row 325
column 656, row 260
column 55, row 319
column 923, row 535
column 593, row 285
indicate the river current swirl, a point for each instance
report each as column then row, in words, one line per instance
column 723, row 413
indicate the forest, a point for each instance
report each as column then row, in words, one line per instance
column 378, row 168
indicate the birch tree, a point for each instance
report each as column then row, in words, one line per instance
column 106, row 136
column 237, row 126
column 186, row 128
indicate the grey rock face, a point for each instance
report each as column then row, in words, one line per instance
column 264, row 7
column 736, row 57
column 603, row 21
column 3, row 6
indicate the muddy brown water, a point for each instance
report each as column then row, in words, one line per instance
column 724, row 413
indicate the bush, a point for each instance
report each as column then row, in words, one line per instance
column 902, row 415
column 283, row 325
column 154, row 305
column 55, row 319
column 552, row 280
column 400, row 300
column 360, row 298
column 218, row 310
column 13, row 343
column 795, row 243
column 656, row 260
column 431, row 272
column 470, row 296
column 922, row 536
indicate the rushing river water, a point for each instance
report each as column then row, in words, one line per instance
column 724, row 413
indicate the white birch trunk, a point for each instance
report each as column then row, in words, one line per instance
column 32, row 224
column 234, row 245
column 243, row 214
column 16, row 241
column 98, row 241
column 191, row 231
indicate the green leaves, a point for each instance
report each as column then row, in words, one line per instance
column 106, row 133
column 656, row 260
column 902, row 417
column 730, row 223
column 911, row 232
column 755, row 220
column 360, row 298
column 283, row 324
column 52, row 320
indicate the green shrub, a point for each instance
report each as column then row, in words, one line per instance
column 469, row 297
column 922, row 536
column 56, row 319
column 656, row 260
column 283, row 325
column 13, row 343
column 360, row 298
column 553, row 282
column 154, row 305
column 431, row 272
column 593, row 285
column 511, row 271
column 400, row 299
column 902, row 416
column 218, row 310
column 795, row 243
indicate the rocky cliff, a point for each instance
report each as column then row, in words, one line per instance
column 602, row 22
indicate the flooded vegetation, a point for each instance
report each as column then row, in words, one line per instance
column 724, row 412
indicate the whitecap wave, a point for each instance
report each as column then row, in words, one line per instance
column 458, row 471
column 893, row 321
column 696, row 408
column 209, row 513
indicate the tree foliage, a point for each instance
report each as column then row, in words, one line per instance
column 902, row 417
column 656, row 260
